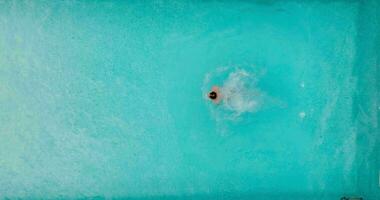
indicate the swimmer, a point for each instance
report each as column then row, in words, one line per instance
column 215, row 95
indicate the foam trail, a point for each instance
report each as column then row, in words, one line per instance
column 239, row 92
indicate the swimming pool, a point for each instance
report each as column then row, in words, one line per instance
column 106, row 99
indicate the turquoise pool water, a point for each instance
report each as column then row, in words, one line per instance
column 106, row 99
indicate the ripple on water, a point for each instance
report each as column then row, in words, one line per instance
column 240, row 92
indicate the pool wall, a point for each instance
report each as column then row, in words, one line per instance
column 367, row 105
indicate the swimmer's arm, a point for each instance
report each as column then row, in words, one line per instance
column 215, row 88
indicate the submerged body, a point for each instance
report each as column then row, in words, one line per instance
column 238, row 93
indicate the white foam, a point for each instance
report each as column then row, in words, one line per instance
column 239, row 93
column 302, row 115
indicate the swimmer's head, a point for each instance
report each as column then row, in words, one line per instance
column 212, row 95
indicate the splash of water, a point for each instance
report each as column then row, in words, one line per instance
column 239, row 91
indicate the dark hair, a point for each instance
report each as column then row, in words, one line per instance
column 212, row 95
